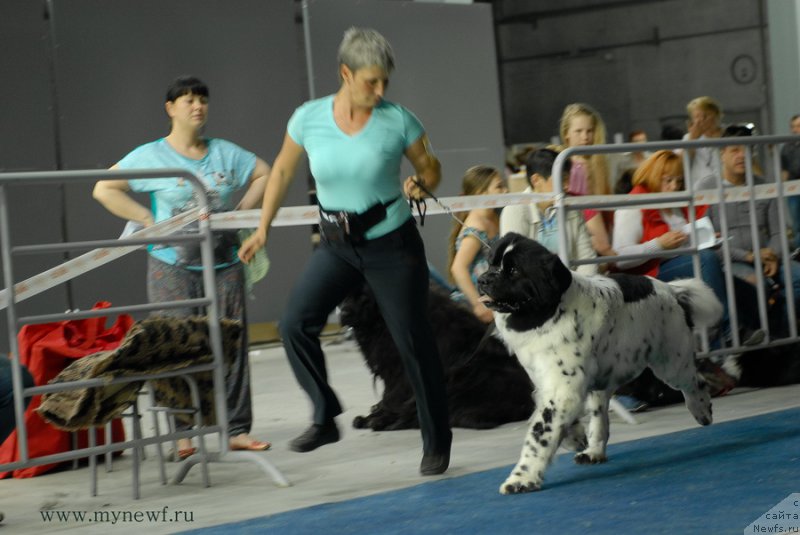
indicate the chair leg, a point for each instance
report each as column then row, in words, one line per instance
column 137, row 449
column 108, row 456
column 73, row 443
column 137, row 427
column 157, row 431
column 198, row 422
column 92, row 462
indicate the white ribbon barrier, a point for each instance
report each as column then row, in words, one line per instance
column 309, row 215
column 91, row 260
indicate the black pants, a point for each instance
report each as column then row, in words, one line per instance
column 396, row 270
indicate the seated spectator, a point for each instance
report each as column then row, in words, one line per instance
column 581, row 125
column 790, row 170
column 670, row 132
column 7, row 414
column 640, row 231
column 637, row 157
column 705, row 117
column 647, row 230
column 740, row 235
column 538, row 220
column 625, row 183
column 8, row 417
column 468, row 246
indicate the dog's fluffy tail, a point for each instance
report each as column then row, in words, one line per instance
column 698, row 301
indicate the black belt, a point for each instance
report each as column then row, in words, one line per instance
column 338, row 225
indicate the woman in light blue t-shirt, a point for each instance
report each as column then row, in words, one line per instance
column 175, row 272
column 355, row 141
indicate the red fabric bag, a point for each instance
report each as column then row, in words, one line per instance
column 46, row 349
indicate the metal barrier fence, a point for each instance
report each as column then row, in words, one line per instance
column 302, row 215
column 748, row 193
column 91, row 260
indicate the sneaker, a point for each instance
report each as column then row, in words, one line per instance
column 632, row 404
column 752, row 338
column 747, row 337
column 315, row 436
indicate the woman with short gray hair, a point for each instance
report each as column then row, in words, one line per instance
column 355, row 141
column 363, row 47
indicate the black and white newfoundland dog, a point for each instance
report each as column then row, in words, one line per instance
column 486, row 386
column 581, row 337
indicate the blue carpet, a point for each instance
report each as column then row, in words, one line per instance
column 713, row 480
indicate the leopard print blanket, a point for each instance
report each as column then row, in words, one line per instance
column 154, row 345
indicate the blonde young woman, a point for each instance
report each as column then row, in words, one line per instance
column 468, row 244
column 580, row 126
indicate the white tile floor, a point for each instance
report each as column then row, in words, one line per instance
column 362, row 463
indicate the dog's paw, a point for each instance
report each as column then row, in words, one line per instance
column 589, row 458
column 518, row 485
column 360, row 422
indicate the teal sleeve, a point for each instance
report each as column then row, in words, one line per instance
column 413, row 127
column 145, row 157
column 295, row 126
column 243, row 162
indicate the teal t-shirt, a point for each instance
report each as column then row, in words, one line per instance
column 355, row 172
column 225, row 169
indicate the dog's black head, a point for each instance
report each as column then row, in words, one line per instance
column 524, row 280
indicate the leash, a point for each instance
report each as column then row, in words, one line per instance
column 422, row 208
column 486, row 335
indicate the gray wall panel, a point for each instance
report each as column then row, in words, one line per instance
column 638, row 64
column 784, row 52
column 26, row 131
column 35, row 215
column 114, row 62
column 26, row 121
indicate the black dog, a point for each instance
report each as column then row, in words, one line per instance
column 485, row 389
